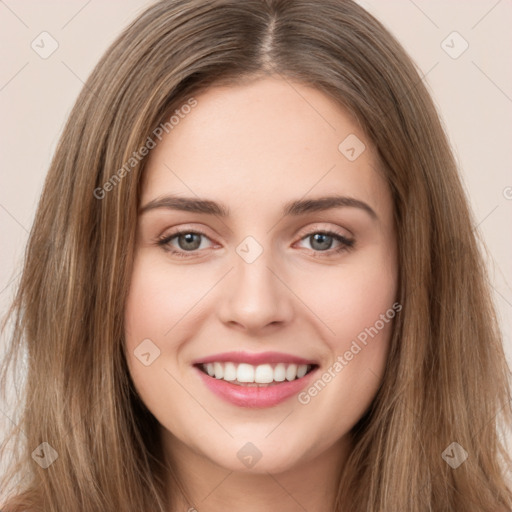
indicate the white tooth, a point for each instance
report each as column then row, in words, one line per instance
column 302, row 370
column 280, row 372
column 245, row 373
column 210, row 370
column 264, row 374
column 291, row 372
column 229, row 371
column 219, row 371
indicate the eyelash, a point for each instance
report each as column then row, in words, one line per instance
column 345, row 243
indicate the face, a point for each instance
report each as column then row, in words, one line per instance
column 233, row 300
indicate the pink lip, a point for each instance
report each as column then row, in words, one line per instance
column 254, row 396
column 254, row 359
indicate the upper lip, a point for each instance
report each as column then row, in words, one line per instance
column 254, row 358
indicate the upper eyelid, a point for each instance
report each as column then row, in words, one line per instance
column 316, row 227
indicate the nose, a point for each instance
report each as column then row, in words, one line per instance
column 257, row 297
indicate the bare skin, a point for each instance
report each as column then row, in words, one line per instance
column 255, row 148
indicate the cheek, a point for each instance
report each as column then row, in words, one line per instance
column 164, row 305
column 352, row 298
column 159, row 298
column 360, row 310
column 153, row 312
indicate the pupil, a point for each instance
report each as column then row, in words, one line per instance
column 189, row 241
column 320, row 237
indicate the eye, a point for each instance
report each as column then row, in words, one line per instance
column 322, row 241
column 188, row 242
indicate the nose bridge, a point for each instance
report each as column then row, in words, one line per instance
column 255, row 282
column 257, row 297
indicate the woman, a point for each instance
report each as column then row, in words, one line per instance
column 252, row 280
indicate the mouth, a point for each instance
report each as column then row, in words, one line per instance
column 248, row 375
column 257, row 380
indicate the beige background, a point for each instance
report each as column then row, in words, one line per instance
column 473, row 93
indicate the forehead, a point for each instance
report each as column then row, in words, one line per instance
column 272, row 139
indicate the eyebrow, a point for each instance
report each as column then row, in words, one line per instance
column 293, row 208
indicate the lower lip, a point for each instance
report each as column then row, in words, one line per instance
column 255, row 396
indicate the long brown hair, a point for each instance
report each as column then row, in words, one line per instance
column 446, row 378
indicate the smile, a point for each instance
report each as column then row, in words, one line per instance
column 255, row 380
column 244, row 374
